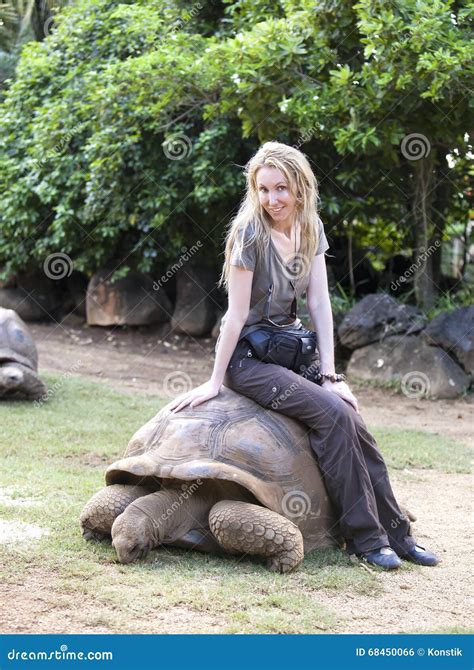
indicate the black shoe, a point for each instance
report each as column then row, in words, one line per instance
column 420, row 556
column 384, row 557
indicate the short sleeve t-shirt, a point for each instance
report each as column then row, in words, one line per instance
column 283, row 292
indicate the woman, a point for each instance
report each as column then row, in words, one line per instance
column 277, row 229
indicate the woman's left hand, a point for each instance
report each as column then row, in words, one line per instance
column 343, row 391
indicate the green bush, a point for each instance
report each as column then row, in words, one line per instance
column 87, row 126
column 123, row 131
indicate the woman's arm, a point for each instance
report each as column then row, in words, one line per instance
column 319, row 308
column 240, row 288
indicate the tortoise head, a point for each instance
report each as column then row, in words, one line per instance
column 16, row 378
column 130, row 538
column 12, row 377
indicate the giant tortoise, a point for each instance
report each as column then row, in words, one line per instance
column 18, row 359
column 225, row 476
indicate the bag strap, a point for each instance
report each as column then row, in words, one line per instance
column 266, row 310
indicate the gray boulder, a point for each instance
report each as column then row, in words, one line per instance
column 377, row 316
column 130, row 301
column 195, row 309
column 422, row 371
column 76, row 293
column 33, row 295
column 454, row 332
column 31, row 304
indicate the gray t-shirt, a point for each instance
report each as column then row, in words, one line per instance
column 283, row 292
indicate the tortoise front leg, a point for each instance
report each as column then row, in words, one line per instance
column 250, row 529
column 159, row 518
column 104, row 507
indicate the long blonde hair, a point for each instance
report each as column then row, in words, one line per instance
column 302, row 184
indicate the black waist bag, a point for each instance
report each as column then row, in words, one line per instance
column 290, row 346
column 293, row 348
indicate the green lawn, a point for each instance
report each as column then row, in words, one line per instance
column 56, row 455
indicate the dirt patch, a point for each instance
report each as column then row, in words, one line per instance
column 155, row 360
column 149, row 360
column 9, row 500
column 33, row 606
column 413, row 598
column 18, row 532
column 420, row 599
column 450, row 418
column 38, row 605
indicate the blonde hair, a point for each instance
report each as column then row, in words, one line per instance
column 302, row 184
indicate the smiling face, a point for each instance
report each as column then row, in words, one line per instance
column 275, row 196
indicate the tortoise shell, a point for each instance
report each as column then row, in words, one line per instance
column 16, row 343
column 231, row 438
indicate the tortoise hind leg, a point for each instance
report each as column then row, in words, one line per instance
column 105, row 506
column 245, row 528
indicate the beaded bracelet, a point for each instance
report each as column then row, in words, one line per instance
column 333, row 377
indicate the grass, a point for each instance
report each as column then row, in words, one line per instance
column 414, row 448
column 56, row 456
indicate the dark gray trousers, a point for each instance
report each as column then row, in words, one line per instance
column 352, row 466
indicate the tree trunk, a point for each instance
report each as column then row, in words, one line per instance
column 443, row 196
column 425, row 287
column 41, row 19
column 350, row 259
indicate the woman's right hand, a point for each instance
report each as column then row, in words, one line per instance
column 196, row 396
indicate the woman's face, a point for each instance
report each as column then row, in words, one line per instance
column 274, row 194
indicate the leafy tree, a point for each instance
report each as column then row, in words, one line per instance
column 118, row 147
column 381, row 91
column 122, row 132
column 21, row 21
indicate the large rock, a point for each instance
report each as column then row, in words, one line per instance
column 420, row 370
column 77, row 285
column 19, row 300
column 130, row 301
column 195, row 309
column 376, row 316
column 454, row 332
column 32, row 304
